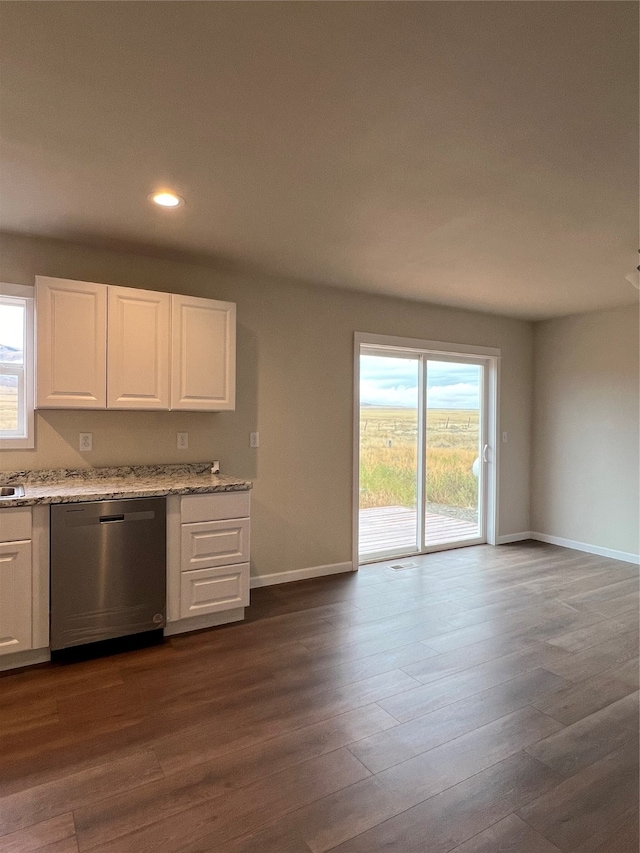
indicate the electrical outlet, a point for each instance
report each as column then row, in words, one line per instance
column 254, row 439
column 86, row 442
column 183, row 440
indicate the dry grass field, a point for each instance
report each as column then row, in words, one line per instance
column 388, row 456
column 8, row 413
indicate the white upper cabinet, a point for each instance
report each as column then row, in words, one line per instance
column 101, row 346
column 72, row 337
column 138, row 349
column 203, row 354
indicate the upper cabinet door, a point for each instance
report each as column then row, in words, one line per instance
column 138, row 349
column 203, row 354
column 72, row 335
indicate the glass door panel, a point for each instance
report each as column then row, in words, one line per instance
column 454, row 440
column 390, row 423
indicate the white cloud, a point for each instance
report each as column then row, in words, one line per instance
column 460, row 396
column 394, row 382
column 373, row 394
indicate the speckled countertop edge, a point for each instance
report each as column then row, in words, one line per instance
column 74, row 486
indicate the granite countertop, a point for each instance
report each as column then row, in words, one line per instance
column 73, row 486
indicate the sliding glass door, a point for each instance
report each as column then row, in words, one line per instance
column 422, row 452
column 390, row 415
column 454, row 439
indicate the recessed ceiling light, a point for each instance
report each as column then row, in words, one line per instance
column 166, row 199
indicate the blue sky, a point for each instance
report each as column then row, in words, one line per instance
column 388, row 381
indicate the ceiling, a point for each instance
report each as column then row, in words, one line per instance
column 477, row 154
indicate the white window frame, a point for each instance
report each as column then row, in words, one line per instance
column 24, row 437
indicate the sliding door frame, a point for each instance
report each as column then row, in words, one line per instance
column 487, row 356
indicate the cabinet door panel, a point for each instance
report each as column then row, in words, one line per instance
column 215, row 543
column 15, row 597
column 138, row 349
column 72, row 339
column 212, row 590
column 203, row 354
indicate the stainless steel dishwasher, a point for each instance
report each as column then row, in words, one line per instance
column 108, row 570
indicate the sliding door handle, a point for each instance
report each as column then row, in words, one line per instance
column 485, row 453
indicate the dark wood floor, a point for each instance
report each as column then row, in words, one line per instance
column 486, row 701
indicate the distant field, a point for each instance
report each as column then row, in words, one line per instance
column 8, row 414
column 388, row 456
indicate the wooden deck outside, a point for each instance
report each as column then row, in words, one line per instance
column 384, row 528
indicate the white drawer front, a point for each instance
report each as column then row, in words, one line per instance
column 214, row 543
column 15, row 523
column 211, row 590
column 214, row 507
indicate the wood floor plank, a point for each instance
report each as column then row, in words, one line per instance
column 590, row 739
column 578, row 700
column 336, row 819
column 274, row 716
column 629, row 672
column 586, row 638
column 110, row 818
column 458, row 813
column 438, row 666
column 592, row 661
column 40, row 803
column 428, row 697
column 525, row 621
column 208, row 825
column 620, row 836
column 395, row 745
column 29, row 715
column 510, row 835
column 41, row 836
column 572, row 812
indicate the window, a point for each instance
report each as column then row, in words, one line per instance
column 16, row 366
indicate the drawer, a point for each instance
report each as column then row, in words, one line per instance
column 15, row 523
column 215, row 507
column 214, row 543
column 212, row 590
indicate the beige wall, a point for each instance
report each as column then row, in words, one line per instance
column 295, row 375
column 585, row 429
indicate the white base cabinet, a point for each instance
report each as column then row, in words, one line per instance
column 208, row 549
column 24, row 583
column 15, row 597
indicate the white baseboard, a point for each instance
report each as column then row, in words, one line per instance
column 513, row 537
column 589, row 549
column 300, row 574
column 19, row 659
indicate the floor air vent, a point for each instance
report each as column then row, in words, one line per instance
column 398, row 567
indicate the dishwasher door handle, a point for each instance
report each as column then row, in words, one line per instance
column 104, row 519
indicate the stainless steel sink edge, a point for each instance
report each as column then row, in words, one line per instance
column 9, row 492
